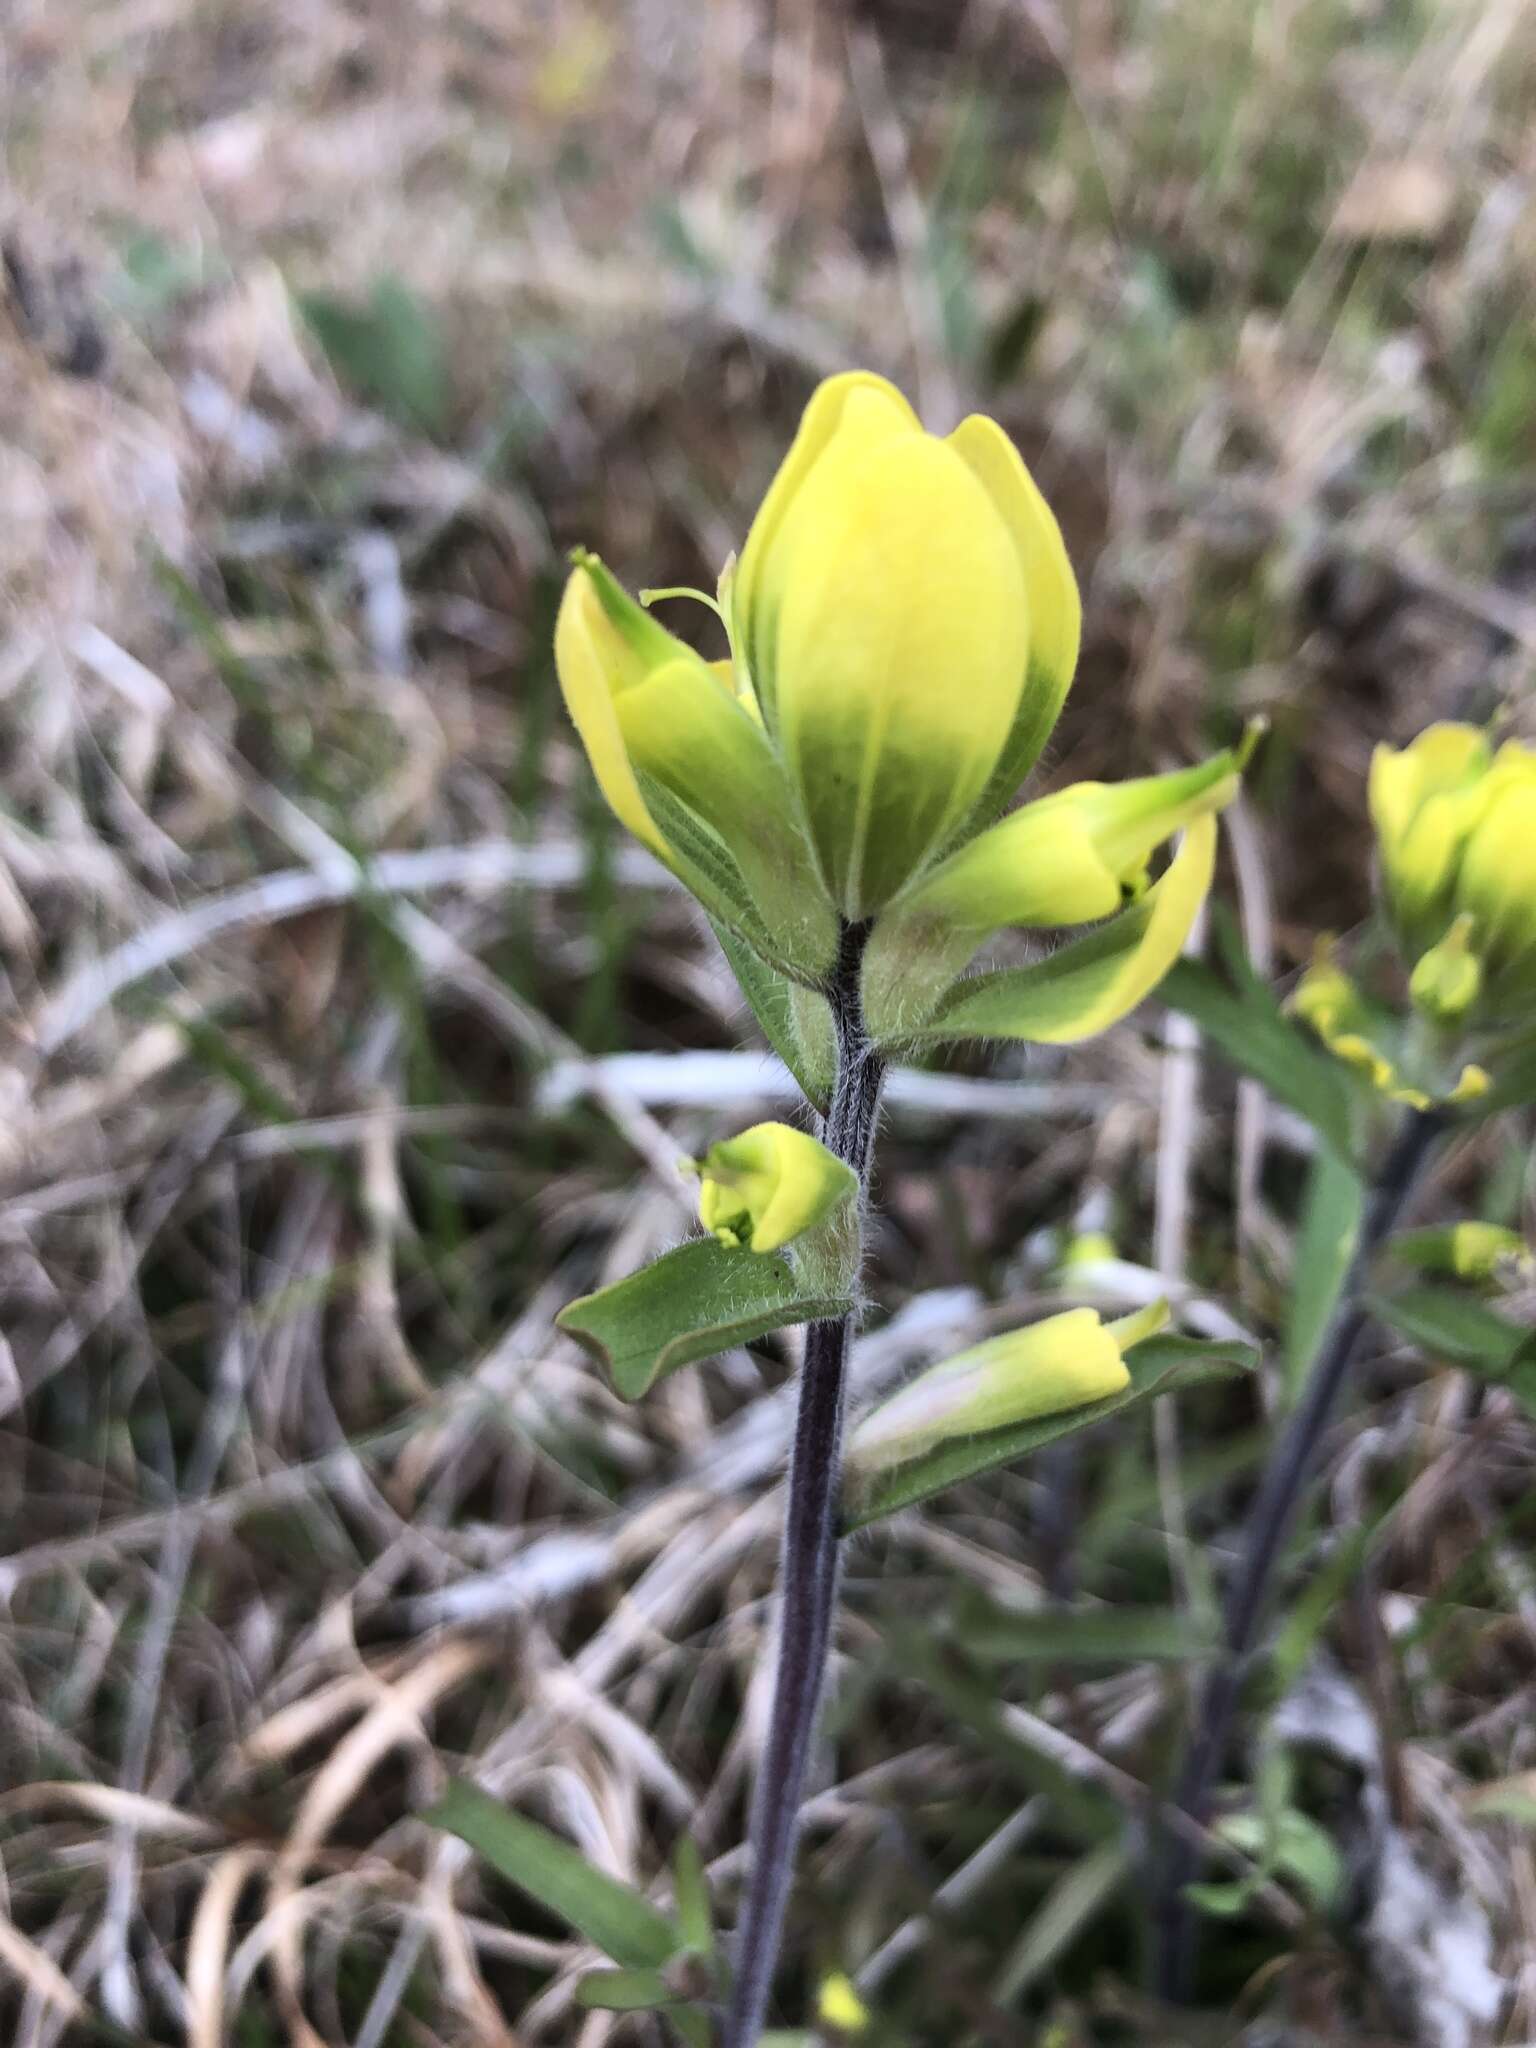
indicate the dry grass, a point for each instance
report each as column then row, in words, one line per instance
column 327, row 329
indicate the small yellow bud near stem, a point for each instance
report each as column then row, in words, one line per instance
column 1447, row 979
column 1470, row 1251
column 1067, row 1361
column 840, row 2008
column 769, row 1186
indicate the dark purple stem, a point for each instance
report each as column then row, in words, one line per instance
column 1269, row 1523
column 809, row 1567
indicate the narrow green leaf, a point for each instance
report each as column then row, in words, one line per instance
column 694, row 1914
column 1465, row 1332
column 773, row 1002
column 1082, row 1808
column 624, row 1991
column 694, row 2027
column 1084, row 1635
column 1307, row 1614
column 1330, row 1224
column 690, row 1304
column 1254, row 1033
column 1083, row 1892
column 1461, row 1330
column 612, row 1916
column 1160, row 1365
column 1513, row 1799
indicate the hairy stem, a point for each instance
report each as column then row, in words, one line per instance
column 809, row 1567
column 1268, row 1525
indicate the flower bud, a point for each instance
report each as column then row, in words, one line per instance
column 1447, row 980
column 1067, row 1361
column 1469, row 1251
column 769, row 1185
column 909, row 622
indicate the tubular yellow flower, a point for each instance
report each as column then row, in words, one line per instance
column 908, row 620
column 768, row 1186
column 1067, row 1361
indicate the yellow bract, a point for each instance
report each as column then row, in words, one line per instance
column 883, row 608
column 1065, row 1362
column 768, row 1186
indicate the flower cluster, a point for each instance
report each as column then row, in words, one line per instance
column 903, row 627
column 1455, row 826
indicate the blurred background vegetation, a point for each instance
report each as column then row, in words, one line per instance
column 326, row 330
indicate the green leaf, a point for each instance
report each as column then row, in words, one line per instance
column 1159, row 1365
column 1250, row 1028
column 388, row 350
column 1513, row 1072
column 1079, row 1806
column 1330, row 1225
column 1069, row 1906
column 612, row 1916
column 690, row 1304
column 694, row 1914
column 1084, row 1635
column 774, row 1002
column 624, row 1991
column 1458, row 1328
column 1512, row 1799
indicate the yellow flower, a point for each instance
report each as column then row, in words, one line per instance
column 1456, row 825
column 1067, row 1361
column 769, row 1185
column 909, row 622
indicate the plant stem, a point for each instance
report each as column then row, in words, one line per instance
column 1268, row 1524
column 809, row 1565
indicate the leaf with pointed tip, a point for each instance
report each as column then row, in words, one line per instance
column 1158, row 1365
column 1466, row 1332
column 1330, row 1225
column 624, row 1991
column 688, row 1305
column 691, row 1888
column 612, row 1915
